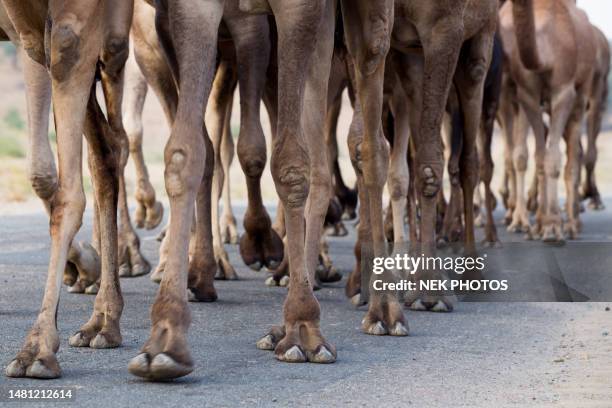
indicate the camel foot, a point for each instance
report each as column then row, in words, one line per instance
column 440, row 304
column 225, row 270
column 261, row 249
column 298, row 343
column 385, row 317
column 37, row 359
column 229, row 230
column 159, row 367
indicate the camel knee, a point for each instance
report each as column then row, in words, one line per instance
column 398, row 186
column 377, row 40
column 429, row 179
column 252, row 158
column 552, row 163
column 184, row 170
column 519, row 159
column 64, row 50
column 291, row 178
column 67, row 211
column 44, row 183
column 477, row 70
column 115, row 51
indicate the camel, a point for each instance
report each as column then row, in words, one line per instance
column 559, row 81
column 77, row 40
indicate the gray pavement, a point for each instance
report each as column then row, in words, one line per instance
column 483, row 354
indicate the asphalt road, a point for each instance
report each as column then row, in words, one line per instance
column 483, row 354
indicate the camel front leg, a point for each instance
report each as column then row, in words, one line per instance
column 441, row 45
column 260, row 245
column 470, row 78
column 305, row 36
column 562, row 105
column 193, row 40
column 368, row 42
column 573, row 163
column 74, row 44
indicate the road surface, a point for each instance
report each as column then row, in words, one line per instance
column 483, row 354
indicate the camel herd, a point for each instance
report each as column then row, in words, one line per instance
column 424, row 78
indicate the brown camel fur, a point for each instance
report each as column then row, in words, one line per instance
column 559, row 80
column 77, row 40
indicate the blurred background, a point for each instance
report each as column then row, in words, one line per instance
column 16, row 195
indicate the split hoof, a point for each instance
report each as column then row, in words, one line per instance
column 161, row 367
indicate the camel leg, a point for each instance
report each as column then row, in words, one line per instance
column 398, row 165
column 573, row 163
column 259, row 245
column 75, row 39
column 506, row 115
column 441, row 48
column 520, row 216
column 229, row 228
column 486, row 173
column 193, row 43
column 102, row 330
column 470, row 79
column 114, row 55
column 216, row 112
column 149, row 212
column 594, row 119
column 355, row 141
column 452, row 226
column 300, row 170
column 562, row 105
column 368, row 44
column 83, row 266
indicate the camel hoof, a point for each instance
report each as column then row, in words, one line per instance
column 441, row 307
column 139, row 365
column 78, row 287
column 162, row 367
column 418, row 306
column 154, row 216
column 399, row 330
column 323, row 356
column 376, row 329
column 356, row 300
column 284, row 281
column 39, row 370
column 293, row 355
column 255, row 266
column 101, row 342
column 92, row 289
column 271, row 282
column 272, row 265
column 15, row 369
column 78, row 340
column 266, row 343
column 159, row 273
